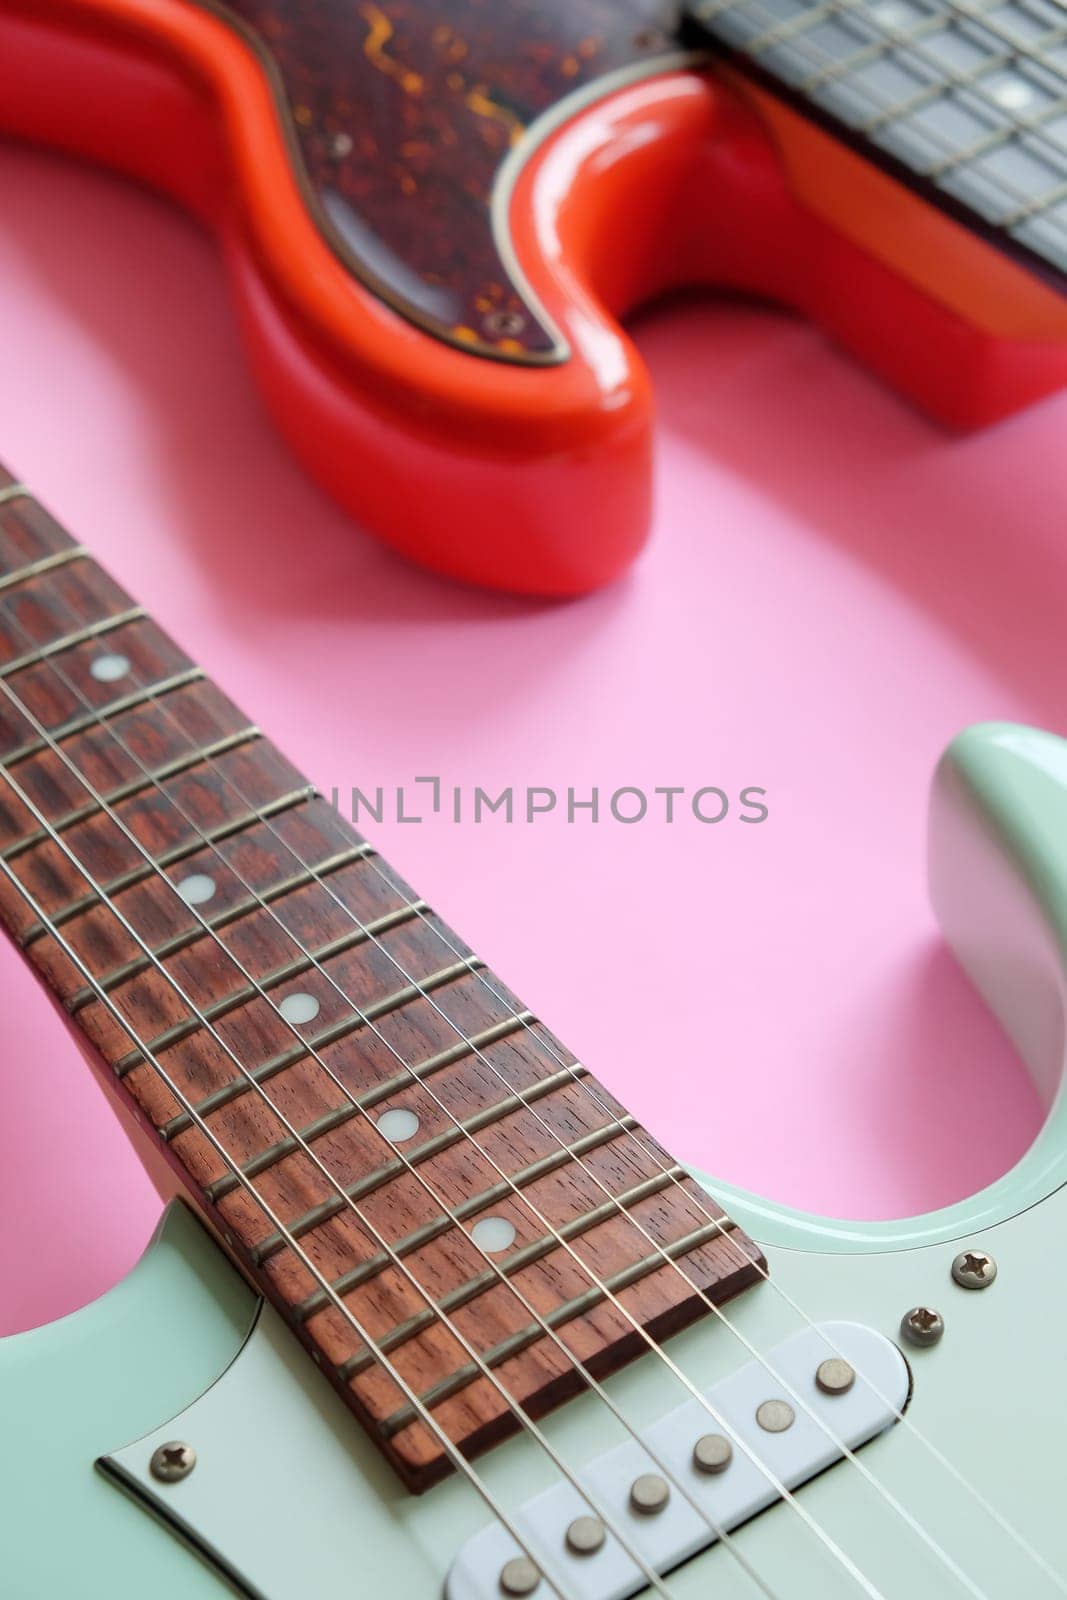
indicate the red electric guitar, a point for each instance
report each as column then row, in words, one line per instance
column 435, row 211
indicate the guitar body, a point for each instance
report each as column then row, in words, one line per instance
column 289, row 1497
column 434, row 216
column 179, row 1349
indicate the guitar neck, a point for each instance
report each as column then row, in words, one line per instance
column 363, row 1111
column 966, row 102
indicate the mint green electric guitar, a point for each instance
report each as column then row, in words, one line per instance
column 429, row 1313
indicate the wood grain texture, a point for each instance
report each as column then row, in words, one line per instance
column 116, row 792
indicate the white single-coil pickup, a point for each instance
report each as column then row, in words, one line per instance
column 823, row 1425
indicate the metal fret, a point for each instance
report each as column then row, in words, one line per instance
column 996, row 138
column 93, row 630
column 249, row 992
column 454, row 1134
column 130, row 789
column 525, row 1256
column 250, row 903
column 319, row 1214
column 127, row 880
column 507, row 1266
column 114, row 708
column 947, row 121
column 327, row 1036
column 13, row 491
column 34, row 569
column 304, row 1046
column 515, row 1023
column 464, row 1376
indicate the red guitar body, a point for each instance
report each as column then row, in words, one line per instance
column 435, row 216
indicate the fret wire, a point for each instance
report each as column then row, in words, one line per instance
column 305, row 1045
column 222, row 919
column 130, row 789
column 526, row 1020
column 559, row 1316
column 170, row 858
column 368, row 1098
column 13, row 491
column 280, row 975
column 830, row 70
column 94, row 630
column 370, row 1182
column 786, row 1494
column 43, row 564
column 513, row 1405
column 419, row 1237
column 908, row 40
column 455, row 1455
column 509, row 1400
column 829, row 1543
column 787, row 28
column 681, row 1377
column 643, row 1334
column 127, row 702
column 995, row 138
column 965, row 78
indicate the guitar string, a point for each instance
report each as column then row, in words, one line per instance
column 515, row 1406
column 732, row 1242
column 902, row 1417
column 838, row 1443
column 655, row 1244
column 776, row 1482
column 848, row 1454
column 456, row 1456
column 971, row 79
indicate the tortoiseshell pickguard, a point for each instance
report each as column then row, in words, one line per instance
column 400, row 115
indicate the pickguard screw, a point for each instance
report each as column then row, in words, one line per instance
column 973, row 1269
column 921, row 1326
column 504, row 324
column 172, row 1461
column 519, row 1576
column 835, row 1376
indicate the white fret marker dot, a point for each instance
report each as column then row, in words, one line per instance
column 109, row 669
column 196, row 888
column 397, row 1125
column 1013, row 94
column 493, row 1234
column 299, row 1007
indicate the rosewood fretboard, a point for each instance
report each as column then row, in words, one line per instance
column 282, row 952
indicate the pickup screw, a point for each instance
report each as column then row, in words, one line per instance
column 519, row 1576
column 922, row 1327
column 649, row 1493
column 775, row 1416
column 973, row 1269
column 712, row 1453
column 172, row 1461
column 835, row 1376
column 585, row 1536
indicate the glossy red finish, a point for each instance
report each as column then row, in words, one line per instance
column 532, row 479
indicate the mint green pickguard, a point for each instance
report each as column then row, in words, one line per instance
column 992, row 1396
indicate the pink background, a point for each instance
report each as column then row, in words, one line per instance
column 834, row 587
